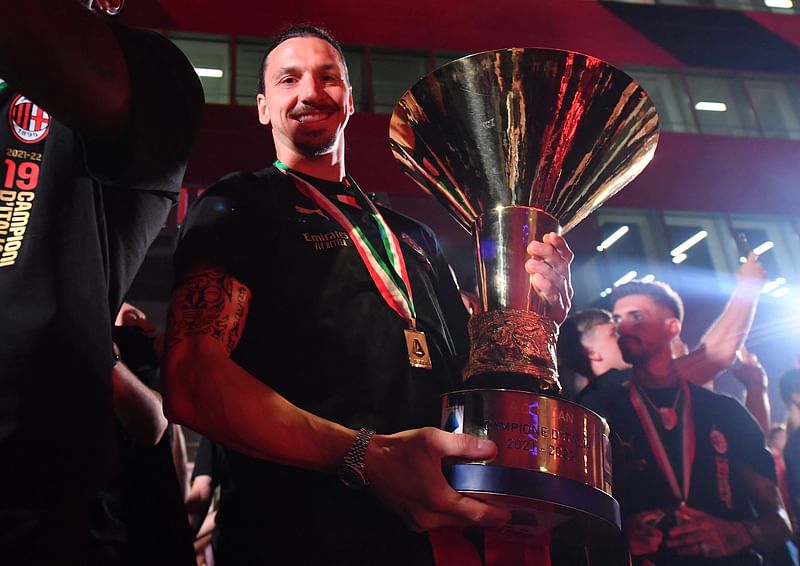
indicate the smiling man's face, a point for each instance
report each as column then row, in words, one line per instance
column 307, row 99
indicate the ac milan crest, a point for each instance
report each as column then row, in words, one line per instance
column 29, row 122
column 718, row 441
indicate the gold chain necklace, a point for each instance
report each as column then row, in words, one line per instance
column 669, row 415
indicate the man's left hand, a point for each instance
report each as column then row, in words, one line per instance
column 701, row 534
column 550, row 274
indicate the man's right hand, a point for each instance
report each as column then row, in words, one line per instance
column 405, row 472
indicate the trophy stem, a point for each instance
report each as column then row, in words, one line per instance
column 513, row 343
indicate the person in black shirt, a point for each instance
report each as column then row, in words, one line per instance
column 698, row 484
column 97, row 123
column 304, row 319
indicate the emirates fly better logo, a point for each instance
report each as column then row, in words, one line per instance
column 30, row 123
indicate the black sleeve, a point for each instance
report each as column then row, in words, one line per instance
column 137, row 352
column 167, row 103
column 746, row 440
column 232, row 226
column 204, row 461
column 791, row 455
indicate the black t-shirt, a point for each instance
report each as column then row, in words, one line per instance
column 320, row 334
column 76, row 218
column 727, row 440
column 210, row 461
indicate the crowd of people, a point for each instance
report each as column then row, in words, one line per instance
column 314, row 372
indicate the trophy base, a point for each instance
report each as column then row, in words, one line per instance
column 573, row 512
column 553, row 464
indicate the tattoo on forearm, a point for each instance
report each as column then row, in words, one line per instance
column 209, row 303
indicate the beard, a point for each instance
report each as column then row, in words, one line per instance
column 309, row 143
column 316, row 148
column 631, row 349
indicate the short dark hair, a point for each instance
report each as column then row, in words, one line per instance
column 300, row 31
column 658, row 291
column 788, row 385
column 570, row 348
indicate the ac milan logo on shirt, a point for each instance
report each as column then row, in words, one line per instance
column 29, row 122
column 718, row 441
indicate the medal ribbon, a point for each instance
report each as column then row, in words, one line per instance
column 657, row 446
column 392, row 283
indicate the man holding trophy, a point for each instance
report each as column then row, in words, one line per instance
column 313, row 334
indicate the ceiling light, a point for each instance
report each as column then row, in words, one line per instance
column 612, row 239
column 765, row 247
column 208, row 73
column 778, row 3
column 680, row 249
column 649, row 278
column 780, row 292
column 680, row 258
column 625, row 278
column 707, row 106
column 774, row 284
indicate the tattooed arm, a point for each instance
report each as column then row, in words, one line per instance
column 213, row 395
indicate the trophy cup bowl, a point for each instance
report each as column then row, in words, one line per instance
column 516, row 143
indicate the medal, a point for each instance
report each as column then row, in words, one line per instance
column 669, row 417
column 418, row 355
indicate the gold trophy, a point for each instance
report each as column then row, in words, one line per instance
column 517, row 143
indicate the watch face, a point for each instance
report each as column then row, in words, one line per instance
column 352, row 478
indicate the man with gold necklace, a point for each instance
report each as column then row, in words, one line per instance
column 695, row 480
column 312, row 334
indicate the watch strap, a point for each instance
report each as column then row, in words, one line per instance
column 353, row 461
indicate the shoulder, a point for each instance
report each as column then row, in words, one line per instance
column 718, row 403
column 237, row 203
column 244, row 185
column 607, row 395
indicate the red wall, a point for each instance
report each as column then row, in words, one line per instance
column 459, row 25
column 690, row 172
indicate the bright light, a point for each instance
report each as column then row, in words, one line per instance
column 778, row 3
column 208, row 73
column 742, row 259
column 711, row 106
column 774, row 284
column 679, row 250
column 649, row 278
column 680, row 258
column 625, row 278
column 780, row 292
column 765, row 247
column 612, row 239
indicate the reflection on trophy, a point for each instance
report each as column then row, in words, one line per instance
column 517, row 143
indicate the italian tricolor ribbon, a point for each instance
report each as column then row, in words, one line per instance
column 392, row 281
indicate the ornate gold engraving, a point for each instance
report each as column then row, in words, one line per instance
column 513, row 341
